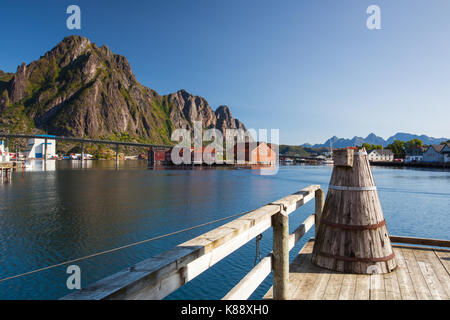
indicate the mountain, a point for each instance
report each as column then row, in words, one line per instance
column 80, row 89
column 374, row 139
column 408, row 136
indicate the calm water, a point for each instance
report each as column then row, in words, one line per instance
column 53, row 216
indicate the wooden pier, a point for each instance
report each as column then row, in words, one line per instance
column 422, row 272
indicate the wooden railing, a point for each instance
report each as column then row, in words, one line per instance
column 157, row 277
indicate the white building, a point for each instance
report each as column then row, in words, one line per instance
column 36, row 147
column 4, row 152
column 381, row 155
column 414, row 154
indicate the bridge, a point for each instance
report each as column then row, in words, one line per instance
column 82, row 141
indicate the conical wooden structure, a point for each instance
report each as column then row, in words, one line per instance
column 352, row 236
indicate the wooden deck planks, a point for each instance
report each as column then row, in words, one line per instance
column 404, row 277
column 422, row 273
column 362, row 290
column 419, row 283
column 431, row 278
column 348, row 287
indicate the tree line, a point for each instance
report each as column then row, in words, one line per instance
column 398, row 147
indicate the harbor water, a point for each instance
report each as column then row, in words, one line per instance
column 65, row 212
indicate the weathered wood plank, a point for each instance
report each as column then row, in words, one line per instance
column 439, row 269
column 298, row 233
column 444, row 258
column 422, row 241
column 404, row 277
column 280, row 225
column 377, row 289
column 362, row 290
column 438, row 292
column 420, row 286
column 348, row 287
column 302, row 276
column 334, row 286
column 251, row 281
column 320, row 202
column 392, row 287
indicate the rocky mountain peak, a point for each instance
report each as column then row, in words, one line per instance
column 80, row 89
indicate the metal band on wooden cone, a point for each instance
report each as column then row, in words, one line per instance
column 353, row 226
column 354, row 259
column 345, row 188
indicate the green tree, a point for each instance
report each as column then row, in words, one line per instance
column 372, row 146
column 398, row 148
column 414, row 143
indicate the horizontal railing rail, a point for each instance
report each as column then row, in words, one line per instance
column 158, row 276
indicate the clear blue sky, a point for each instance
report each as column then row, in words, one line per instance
column 310, row 68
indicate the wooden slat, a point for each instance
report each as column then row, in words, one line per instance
column 444, row 258
column 437, row 290
column 251, row 281
column 298, row 233
column 280, row 227
column 334, row 286
column 348, row 288
column 419, row 284
column 362, row 290
column 442, row 274
column 377, row 289
column 405, row 282
column 322, row 278
column 303, row 278
column 392, row 287
column 422, row 241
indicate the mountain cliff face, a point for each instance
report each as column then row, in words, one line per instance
column 80, row 89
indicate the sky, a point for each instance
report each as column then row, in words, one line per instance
column 311, row 69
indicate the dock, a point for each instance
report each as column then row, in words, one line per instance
column 423, row 273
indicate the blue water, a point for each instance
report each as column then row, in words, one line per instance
column 53, row 216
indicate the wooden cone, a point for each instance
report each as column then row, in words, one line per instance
column 352, row 235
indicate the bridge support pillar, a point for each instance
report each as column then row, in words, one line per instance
column 45, row 154
column 117, row 156
column 7, row 148
column 151, row 157
column 82, row 154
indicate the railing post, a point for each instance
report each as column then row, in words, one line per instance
column 280, row 223
column 320, row 202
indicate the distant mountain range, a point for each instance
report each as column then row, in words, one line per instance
column 374, row 139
